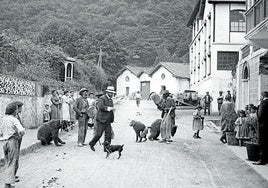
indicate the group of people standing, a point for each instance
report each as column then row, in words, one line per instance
column 61, row 106
column 250, row 124
column 101, row 116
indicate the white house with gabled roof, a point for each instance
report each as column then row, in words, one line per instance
column 165, row 75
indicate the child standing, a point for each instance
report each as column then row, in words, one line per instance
column 198, row 122
column 11, row 131
column 242, row 129
column 46, row 113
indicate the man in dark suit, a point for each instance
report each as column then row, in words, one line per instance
column 80, row 107
column 263, row 129
column 104, row 117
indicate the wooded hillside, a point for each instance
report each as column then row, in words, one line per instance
column 141, row 32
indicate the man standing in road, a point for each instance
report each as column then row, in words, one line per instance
column 220, row 101
column 207, row 99
column 263, row 129
column 81, row 107
column 104, row 118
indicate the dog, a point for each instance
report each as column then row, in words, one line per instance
column 112, row 148
column 50, row 131
column 138, row 128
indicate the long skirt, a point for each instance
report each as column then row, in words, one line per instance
column 65, row 112
column 198, row 124
column 55, row 112
column 11, row 157
column 165, row 128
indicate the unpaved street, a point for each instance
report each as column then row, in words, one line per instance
column 186, row 162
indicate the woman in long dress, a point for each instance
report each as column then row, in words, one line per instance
column 66, row 106
column 56, row 105
column 228, row 118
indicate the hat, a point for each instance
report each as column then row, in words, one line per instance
column 82, row 90
column 11, row 108
column 166, row 92
column 110, row 89
column 18, row 103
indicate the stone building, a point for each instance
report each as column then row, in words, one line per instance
column 252, row 69
column 218, row 29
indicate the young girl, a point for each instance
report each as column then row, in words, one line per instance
column 198, row 122
column 242, row 129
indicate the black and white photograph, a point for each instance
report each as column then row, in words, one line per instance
column 134, row 93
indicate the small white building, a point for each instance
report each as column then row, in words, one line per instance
column 218, row 30
column 165, row 75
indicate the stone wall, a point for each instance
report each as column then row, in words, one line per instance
column 28, row 92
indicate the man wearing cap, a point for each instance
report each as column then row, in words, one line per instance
column 104, row 117
column 207, row 99
column 19, row 105
column 11, row 131
column 80, row 107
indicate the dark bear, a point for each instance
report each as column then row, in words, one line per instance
column 155, row 130
column 50, row 131
column 138, row 128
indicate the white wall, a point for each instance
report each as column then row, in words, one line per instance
column 121, row 83
column 173, row 84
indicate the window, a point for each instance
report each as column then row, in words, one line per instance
column 163, row 76
column 227, row 60
column 237, row 21
column 127, row 79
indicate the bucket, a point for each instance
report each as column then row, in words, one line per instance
column 253, row 151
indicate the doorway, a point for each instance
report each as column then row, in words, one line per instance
column 145, row 90
column 127, row 91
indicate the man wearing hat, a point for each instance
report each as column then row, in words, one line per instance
column 11, row 131
column 104, row 117
column 80, row 107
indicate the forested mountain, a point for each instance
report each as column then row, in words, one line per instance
column 141, row 32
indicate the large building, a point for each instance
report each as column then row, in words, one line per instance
column 165, row 75
column 218, row 30
column 252, row 69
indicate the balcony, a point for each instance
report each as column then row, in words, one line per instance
column 257, row 24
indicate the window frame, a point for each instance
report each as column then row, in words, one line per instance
column 239, row 30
